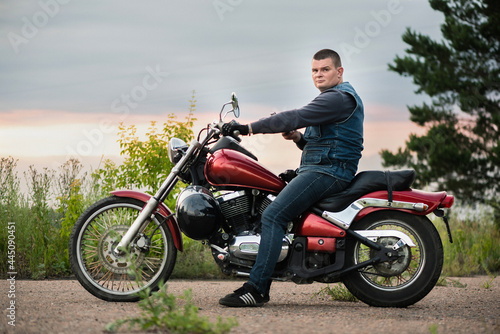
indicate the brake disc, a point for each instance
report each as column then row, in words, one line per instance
column 114, row 262
column 402, row 258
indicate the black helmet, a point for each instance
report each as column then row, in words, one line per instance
column 198, row 213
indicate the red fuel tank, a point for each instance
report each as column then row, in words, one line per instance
column 231, row 168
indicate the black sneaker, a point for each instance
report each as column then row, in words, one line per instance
column 246, row 296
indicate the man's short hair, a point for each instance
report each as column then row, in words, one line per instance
column 327, row 53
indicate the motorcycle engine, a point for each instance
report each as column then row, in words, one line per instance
column 242, row 211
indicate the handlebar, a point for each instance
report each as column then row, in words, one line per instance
column 217, row 126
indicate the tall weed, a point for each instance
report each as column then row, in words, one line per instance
column 41, row 220
column 475, row 248
column 10, row 210
column 41, row 243
column 9, row 187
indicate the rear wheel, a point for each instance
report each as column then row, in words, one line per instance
column 111, row 276
column 406, row 279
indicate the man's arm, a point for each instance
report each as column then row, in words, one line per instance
column 331, row 106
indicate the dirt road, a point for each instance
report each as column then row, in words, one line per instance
column 63, row 306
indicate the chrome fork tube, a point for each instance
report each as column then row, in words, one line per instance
column 148, row 209
column 166, row 187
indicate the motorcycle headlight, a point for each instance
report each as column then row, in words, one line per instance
column 175, row 148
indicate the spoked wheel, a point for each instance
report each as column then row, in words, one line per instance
column 412, row 273
column 114, row 276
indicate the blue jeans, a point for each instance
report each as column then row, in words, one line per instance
column 300, row 194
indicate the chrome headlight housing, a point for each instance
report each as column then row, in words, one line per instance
column 176, row 147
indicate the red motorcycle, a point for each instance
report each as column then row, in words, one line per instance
column 374, row 236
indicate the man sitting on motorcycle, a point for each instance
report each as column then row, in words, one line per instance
column 331, row 145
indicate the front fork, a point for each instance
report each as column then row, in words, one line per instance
column 168, row 185
column 141, row 221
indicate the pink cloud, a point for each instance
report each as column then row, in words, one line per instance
column 387, row 135
column 274, row 152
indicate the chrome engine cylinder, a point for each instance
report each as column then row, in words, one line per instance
column 247, row 246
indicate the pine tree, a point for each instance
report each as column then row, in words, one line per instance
column 461, row 74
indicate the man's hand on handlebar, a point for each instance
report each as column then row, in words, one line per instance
column 228, row 129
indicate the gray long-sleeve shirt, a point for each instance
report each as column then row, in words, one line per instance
column 331, row 106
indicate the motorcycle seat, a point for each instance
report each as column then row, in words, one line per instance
column 366, row 182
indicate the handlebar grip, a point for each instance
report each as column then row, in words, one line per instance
column 236, row 135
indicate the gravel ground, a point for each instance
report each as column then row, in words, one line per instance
column 63, row 306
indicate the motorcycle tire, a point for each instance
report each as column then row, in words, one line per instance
column 149, row 260
column 407, row 279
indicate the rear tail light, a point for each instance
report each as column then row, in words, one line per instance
column 447, row 202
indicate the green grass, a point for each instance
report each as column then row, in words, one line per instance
column 433, row 328
column 337, row 292
column 487, row 284
column 475, row 248
column 446, row 281
column 171, row 314
column 42, row 217
column 196, row 262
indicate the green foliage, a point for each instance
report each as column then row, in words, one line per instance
column 338, row 293
column 42, row 221
column 38, row 248
column 44, row 248
column 196, row 261
column 487, row 284
column 161, row 311
column 475, row 248
column 71, row 199
column 71, row 208
column 146, row 163
column 446, row 281
column 9, row 184
column 461, row 74
column 12, row 210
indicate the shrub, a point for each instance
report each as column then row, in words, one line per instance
column 161, row 311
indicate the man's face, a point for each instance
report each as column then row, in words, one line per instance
column 325, row 75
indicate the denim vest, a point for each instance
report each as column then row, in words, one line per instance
column 335, row 149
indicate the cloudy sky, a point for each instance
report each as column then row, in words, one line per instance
column 72, row 70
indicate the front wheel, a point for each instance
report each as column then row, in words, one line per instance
column 111, row 276
column 405, row 280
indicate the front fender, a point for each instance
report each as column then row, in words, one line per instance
column 162, row 209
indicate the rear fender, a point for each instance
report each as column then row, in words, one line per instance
column 162, row 210
column 431, row 199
